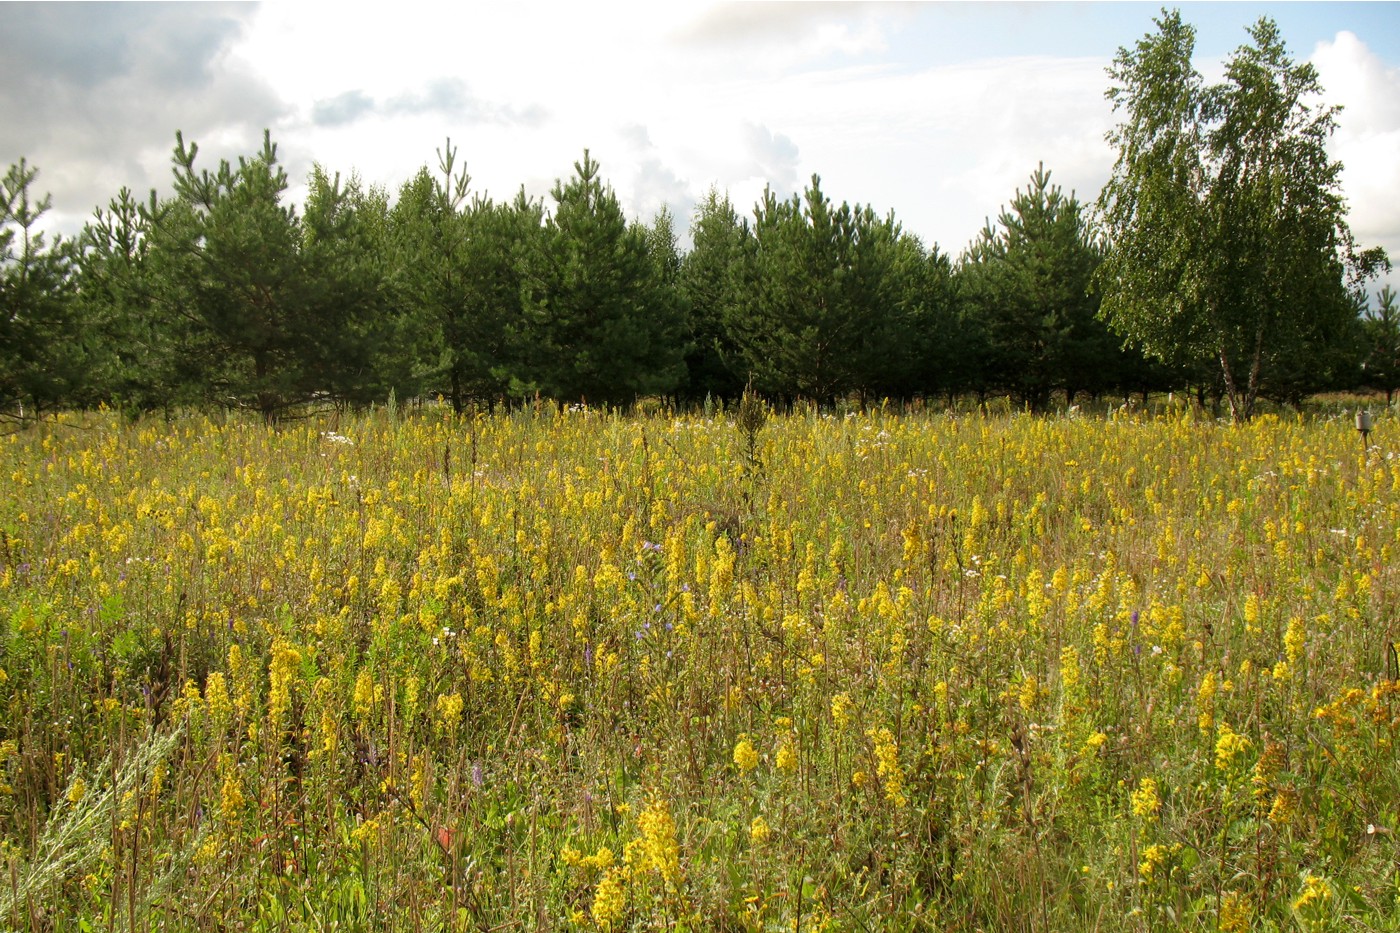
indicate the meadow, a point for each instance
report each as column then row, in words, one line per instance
column 569, row 670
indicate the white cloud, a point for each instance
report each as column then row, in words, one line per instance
column 780, row 36
column 92, row 94
column 1367, row 141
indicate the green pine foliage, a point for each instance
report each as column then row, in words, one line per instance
column 1382, row 328
column 924, row 341
column 604, row 328
column 708, row 283
column 357, row 353
column 142, row 363
column 817, row 311
column 1027, row 280
column 459, row 270
column 40, row 361
column 255, row 306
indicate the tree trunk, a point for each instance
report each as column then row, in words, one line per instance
column 266, row 401
column 1256, row 365
column 1242, row 398
column 455, row 383
column 1231, row 390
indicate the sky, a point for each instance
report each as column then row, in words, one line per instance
column 938, row 112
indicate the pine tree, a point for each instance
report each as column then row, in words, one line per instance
column 811, row 316
column 42, row 355
column 604, row 328
column 235, row 299
column 1382, row 325
column 357, row 345
column 1027, row 280
column 430, row 279
column 142, row 354
column 707, row 281
column 502, row 240
column 931, row 347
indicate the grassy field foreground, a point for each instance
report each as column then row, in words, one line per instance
column 576, row 671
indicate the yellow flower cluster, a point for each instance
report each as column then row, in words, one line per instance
column 449, row 712
column 660, row 848
column 1146, row 802
column 841, row 706
column 1314, row 896
column 887, row 765
column 1231, row 748
column 282, row 677
column 1236, row 913
column 745, row 755
column 609, row 900
column 1157, row 861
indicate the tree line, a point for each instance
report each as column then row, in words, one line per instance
column 1216, row 260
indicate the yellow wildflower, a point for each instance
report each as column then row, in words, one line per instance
column 1284, row 807
column 449, row 710
column 208, row 851
column 240, row 669
column 659, row 836
column 1236, row 914
column 1205, row 702
column 1146, row 801
column 216, row 698
column 1294, row 641
column 887, row 765
column 1269, row 764
column 601, row 860
column 785, row 759
column 609, row 900
column 1069, row 666
column 1102, row 644
column 1316, row 892
column 1156, row 861
column 841, row 705
column 230, row 795
column 1153, row 858
column 330, row 735
column 745, row 755
column 1230, row 747
column 282, row 676
column 1028, row 693
column 365, row 832
column 365, row 694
